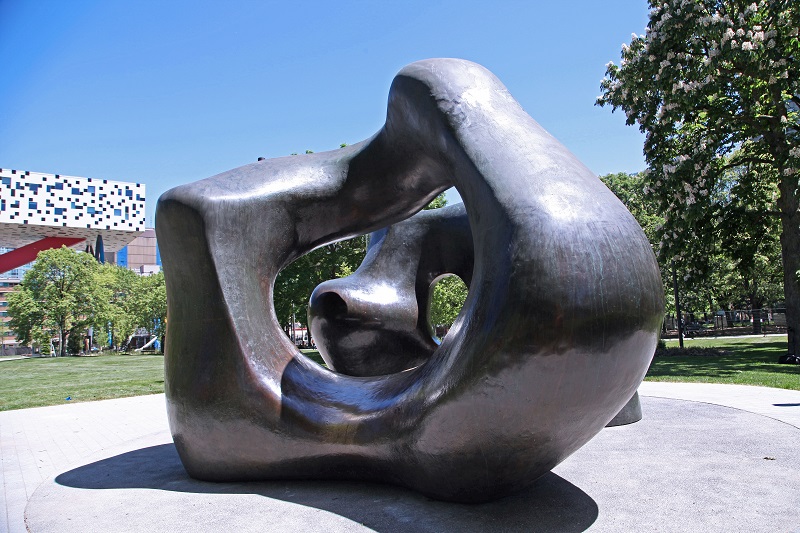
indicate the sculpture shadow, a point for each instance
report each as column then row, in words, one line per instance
column 550, row 504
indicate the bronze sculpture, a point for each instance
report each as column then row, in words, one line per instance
column 358, row 334
column 559, row 327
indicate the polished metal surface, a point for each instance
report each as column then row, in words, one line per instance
column 558, row 329
column 375, row 321
column 361, row 329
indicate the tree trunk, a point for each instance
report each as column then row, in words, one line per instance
column 756, row 304
column 790, row 250
column 62, row 345
column 756, row 321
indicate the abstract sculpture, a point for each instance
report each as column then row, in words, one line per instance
column 558, row 329
column 375, row 321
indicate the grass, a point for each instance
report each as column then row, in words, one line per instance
column 38, row 382
column 745, row 361
column 314, row 356
column 49, row 381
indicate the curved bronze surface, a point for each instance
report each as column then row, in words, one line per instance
column 360, row 332
column 375, row 321
column 558, row 329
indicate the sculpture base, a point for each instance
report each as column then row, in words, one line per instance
column 685, row 466
column 630, row 413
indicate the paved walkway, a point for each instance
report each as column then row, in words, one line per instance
column 780, row 404
column 36, row 444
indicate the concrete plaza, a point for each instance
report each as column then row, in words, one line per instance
column 705, row 456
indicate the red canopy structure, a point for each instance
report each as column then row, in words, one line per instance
column 26, row 254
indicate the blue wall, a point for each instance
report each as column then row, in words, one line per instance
column 122, row 257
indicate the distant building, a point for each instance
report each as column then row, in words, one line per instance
column 9, row 340
column 40, row 211
column 14, row 273
column 35, row 205
column 141, row 255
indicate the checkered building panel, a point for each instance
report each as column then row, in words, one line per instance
column 54, row 200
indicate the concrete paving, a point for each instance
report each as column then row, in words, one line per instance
column 37, row 443
column 712, row 457
column 780, row 404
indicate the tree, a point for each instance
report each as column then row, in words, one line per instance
column 745, row 263
column 25, row 315
column 134, row 302
column 749, row 236
column 150, row 301
column 715, row 86
column 447, row 295
column 119, row 316
column 59, row 294
column 447, row 299
column 436, row 203
column 629, row 188
column 296, row 282
column 3, row 331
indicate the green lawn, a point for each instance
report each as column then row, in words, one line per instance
column 314, row 356
column 49, row 381
column 747, row 361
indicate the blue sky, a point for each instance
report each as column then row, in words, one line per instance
column 168, row 92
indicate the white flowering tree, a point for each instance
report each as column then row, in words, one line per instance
column 715, row 86
column 745, row 266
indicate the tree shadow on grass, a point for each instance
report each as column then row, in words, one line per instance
column 700, row 367
column 741, row 357
column 550, row 504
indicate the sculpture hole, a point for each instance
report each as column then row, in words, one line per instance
column 447, row 296
column 295, row 283
column 332, row 305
